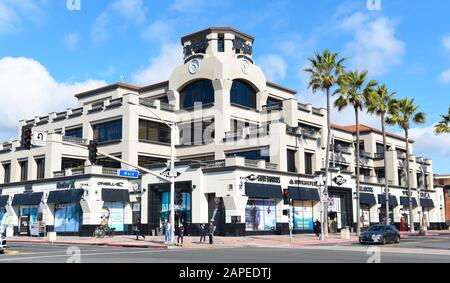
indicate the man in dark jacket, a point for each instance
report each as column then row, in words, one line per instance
column 212, row 229
column 317, row 228
column 203, row 233
column 140, row 230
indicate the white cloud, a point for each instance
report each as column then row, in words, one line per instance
column 14, row 12
column 161, row 66
column 446, row 42
column 273, row 66
column 444, row 77
column 118, row 15
column 29, row 90
column 71, row 40
column 374, row 46
column 427, row 144
column 161, row 30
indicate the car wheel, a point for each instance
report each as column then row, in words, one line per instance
column 383, row 241
column 397, row 239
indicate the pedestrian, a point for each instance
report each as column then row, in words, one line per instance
column 212, row 229
column 180, row 234
column 140, row 230
column 317, row 228
column 168, row 235
column 203, row 233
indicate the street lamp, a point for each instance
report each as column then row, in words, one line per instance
column 172, row 174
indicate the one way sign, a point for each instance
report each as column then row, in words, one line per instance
column 166, row 173
column 39, row 138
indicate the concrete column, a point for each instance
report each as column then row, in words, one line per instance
column 130, row 130
column 222, row 118
column 290, row 112
column 278, row 147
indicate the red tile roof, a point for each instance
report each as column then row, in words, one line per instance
column 364, row 129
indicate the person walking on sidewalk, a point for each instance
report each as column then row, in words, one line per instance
column 140, row 230
column 180, row 234
column 317, row 228
column 212, row 229
column 168, row 228
column 203, row 233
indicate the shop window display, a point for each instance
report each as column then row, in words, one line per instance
column 113, row 215
column 67, row 217
column 260, row 215
column 303, row 215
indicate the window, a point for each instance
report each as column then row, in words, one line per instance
column 108, row 131
column 197, row 132
column 380, row 148
column 221, row 43
column 40, row 164
column 109, row 163
column 308, row 163
column 252, row 155
column 201, row 91
column 243, row 94
column 291, row 160
column 272, row 101
column 69, row 163
column 146, row 161
column 152, row 131
column 76, row 133
column 7, row 173
column 23, row 170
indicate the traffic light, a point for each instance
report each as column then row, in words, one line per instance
column 286, row 199
column 28, row 137
column 92, row 152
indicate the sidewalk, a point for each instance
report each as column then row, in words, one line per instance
column 189, row 242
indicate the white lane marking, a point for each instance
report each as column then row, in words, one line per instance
column 97, row 254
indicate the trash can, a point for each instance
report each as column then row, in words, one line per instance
column 51, row 236
column 345, row 233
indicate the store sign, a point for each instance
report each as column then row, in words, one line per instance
column 268, row 179
column 303, row 183
column 366, row 189
column 339, row 180
column 65, row 184
column 196, row 47
column 110, row 184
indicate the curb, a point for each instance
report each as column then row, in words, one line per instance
column 90, row 244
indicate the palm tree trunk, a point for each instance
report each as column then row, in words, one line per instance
column 386, row 183
column 411, row 216
column 327, row 163
column 358, row 204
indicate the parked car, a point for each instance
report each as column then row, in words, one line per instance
column 2, row 243
column 380, row 234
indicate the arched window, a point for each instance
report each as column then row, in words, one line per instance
column 201, row 91
column 243, row 94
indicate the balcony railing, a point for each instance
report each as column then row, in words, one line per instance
column 74, row 140
column 271, row 166
column 308, row 133
column 273, row 107
column 303, row 107
column 109, row 171
column 58, row 174
column 378, row 155
column 342, row 149
column 215, row 163
column 147, row 102
column 364, row 154
column 167, row 106
column 76, row 172
column 251, row 163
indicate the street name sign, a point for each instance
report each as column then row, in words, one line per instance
column 129, row 174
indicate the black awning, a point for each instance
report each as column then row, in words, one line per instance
column 185, row 186
column 255, row 190
column 27, row 199
column 66, row 196
column 392, row 200
column 427, row 203
column 300, row 193
column 115, row 195
column 367, row 199
column 3, row 201
column 405, row 202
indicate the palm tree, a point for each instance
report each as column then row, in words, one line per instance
column 378, row 102
column 352, row 90
column 324, row 72
column 443, row 126
column 402, row 113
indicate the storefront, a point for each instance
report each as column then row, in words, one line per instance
column 304, row 200
column 367, row 202
column 67, row 210
column 260, row 213
column 29, row 210
column 427, row 206
column 3, row 204
column 340, row 209
column 113, row 210
column 393, row 203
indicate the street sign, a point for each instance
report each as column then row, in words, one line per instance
column 166, row 173
column 39, row 138
column 129, row 174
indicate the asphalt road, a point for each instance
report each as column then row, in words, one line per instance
column 430, row 250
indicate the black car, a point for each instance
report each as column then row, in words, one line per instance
column 380, row 234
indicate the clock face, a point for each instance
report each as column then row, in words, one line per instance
column 194, row 66
column 245, row 67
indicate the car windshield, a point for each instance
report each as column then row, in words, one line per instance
column 376, row 229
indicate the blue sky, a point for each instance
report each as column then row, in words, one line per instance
column 48, row 52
